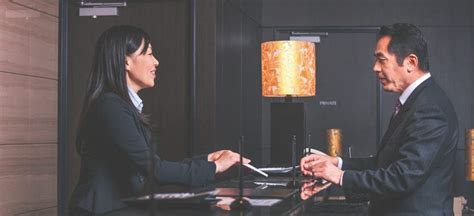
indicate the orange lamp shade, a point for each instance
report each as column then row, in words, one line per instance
column 288, row 68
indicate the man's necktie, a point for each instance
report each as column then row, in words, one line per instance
column 397, row 108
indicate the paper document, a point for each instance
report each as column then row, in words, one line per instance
column 175, row 196
column 225, row 202
column 256, row 170
column 284, row 184
column 314, row 151
column 279, row 169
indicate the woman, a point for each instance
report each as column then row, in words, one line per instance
column 114, row 139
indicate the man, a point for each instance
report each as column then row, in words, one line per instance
column 412, row 172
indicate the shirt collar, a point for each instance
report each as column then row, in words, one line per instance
column 404, row 96
column 136, row 100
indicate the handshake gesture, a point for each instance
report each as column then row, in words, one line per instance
column 322, row 166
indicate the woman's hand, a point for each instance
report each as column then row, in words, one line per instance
column 211, row 157
column 225, row 159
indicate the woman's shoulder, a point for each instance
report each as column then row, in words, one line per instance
column 109, row 97
column 110, row 101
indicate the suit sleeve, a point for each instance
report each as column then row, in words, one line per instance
column 358, row 163
column 197, row 157
column 421, row 145
column 120, row 125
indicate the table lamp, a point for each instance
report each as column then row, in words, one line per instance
column 288, row 70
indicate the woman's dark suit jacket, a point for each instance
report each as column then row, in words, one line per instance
column 413, row 171
column 115, row 159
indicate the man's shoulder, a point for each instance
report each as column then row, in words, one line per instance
column 433, row 93
column 433, row 99
column 427, row 92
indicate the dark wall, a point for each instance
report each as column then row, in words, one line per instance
column 366, row 12
column 448, row 28
column 206, row 70
column 238, row 107
column 167, row 22
column 228, row 76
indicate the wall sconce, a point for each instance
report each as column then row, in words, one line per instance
column 470, row 154
column 288, row 70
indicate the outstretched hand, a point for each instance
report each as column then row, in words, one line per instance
column 211, row 157
column 321, row 166
column 224, row 159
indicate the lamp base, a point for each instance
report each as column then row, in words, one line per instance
column 287, row 120
column 240, row 204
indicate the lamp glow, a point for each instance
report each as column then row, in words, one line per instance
column 288, row 69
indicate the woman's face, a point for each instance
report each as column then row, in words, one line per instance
column 140, row 69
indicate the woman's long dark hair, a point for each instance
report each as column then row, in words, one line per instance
column 108, row 69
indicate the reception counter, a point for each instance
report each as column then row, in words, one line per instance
column 310, row 198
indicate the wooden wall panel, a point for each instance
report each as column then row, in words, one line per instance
column 28, row 178
column 28, row 109
column 29, row 41
column 41, row 212
column 49, row 7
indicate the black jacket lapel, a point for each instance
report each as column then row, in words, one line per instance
column 397, row 119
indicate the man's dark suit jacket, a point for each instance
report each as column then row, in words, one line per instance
column 413, row 170
column 116, row 159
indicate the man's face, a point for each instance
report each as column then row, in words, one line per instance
column 392, row 76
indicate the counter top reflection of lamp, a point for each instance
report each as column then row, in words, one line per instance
column 288, row 70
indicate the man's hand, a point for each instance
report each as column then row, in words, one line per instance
column 225, row 159
column 321, row 166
